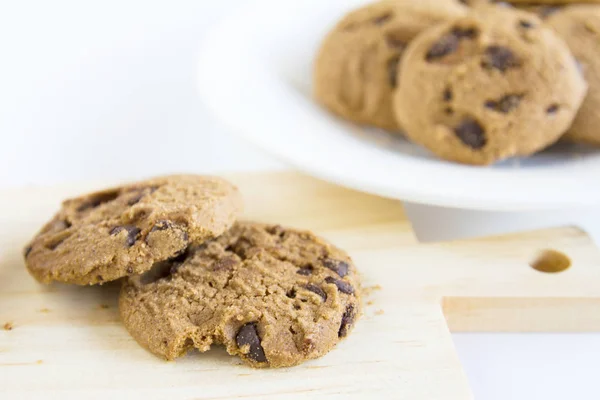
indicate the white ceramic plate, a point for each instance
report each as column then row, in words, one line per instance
column 255, row 76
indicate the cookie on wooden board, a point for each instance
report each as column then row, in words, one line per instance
column 103, row 236
column 271, row 295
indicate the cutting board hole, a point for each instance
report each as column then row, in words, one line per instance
column 551, row 262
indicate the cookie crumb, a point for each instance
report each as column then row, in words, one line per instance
column 104, row 306
column 44, row 310
column 38, row 362
column 379, row 312
column 8, row 326
column 370, row 289
column 370, row 302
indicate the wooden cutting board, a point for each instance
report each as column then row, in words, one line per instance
column 68, row 342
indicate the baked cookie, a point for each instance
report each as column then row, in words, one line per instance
column 355, row 69
column 579, row 26
column 273, row 296
column 122, row 231
column 491, row 85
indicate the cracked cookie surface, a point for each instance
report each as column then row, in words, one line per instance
column 488, row 86
column 356, row 68
column 123, row 231
column 273, row 296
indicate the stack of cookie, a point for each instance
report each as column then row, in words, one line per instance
column 472, row 82
column 193, row 276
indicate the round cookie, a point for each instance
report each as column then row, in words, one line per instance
column 489, row 86
column 273, row 296
column 122, row 231
column 355, row 69
column 579, row 26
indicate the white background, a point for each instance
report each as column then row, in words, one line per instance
column 106, row 89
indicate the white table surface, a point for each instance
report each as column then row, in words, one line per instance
column 105, row 89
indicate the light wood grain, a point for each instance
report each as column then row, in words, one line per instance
column 67, row 342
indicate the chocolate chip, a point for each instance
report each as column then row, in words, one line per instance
column 291, row 293
column 471, row 134
column 447, row 94
column 317, row 290
column 447, row 44
column 505, row 104
column 337, row 266
column 553, row 109
column 342, row 286
column 347, row 321
column 98, row 199
column 465, row 33
column 132, row 233
column 27, row 251
column 382, row 19
column 248, row 336
column 306, row 270
column 526, row 24
column 500, row 58
column 393, row 71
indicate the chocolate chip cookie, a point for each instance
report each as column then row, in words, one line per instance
column 356, row 68
column 579, row 26
column 488, row 86
column 122, row 231
column 273, row 296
